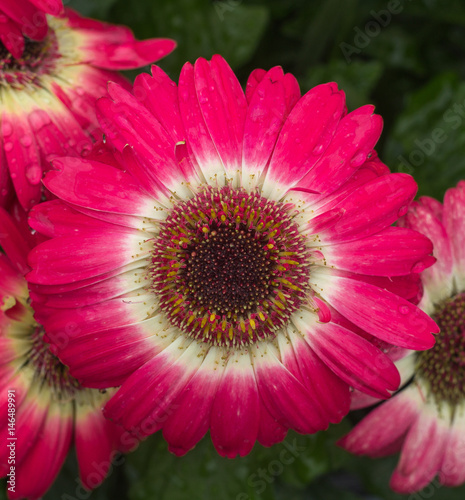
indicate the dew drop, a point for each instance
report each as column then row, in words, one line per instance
column 34, row 174
column 403, row 309
column 39, row 119
column 8, row 146
column 358, row 160
column 317, row 150
column 7, row 129
column 418, row 267
column 26, row 140
column 402, row 211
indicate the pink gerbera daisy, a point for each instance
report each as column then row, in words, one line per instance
column 234, row 265
column 426, row 420
column 48, row 94
column 25, row 18
column 43, row 408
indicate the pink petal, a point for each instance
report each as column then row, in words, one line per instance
column 106, row 358
column 284, row 396
column 355, row 138
column 36, row 473
column 54, row 7
column 384, row 425
column 197, row 132
column 379, row 312
column 11, row 37
column 310, row 128
column 22, row 157
column 421, row 218
column 453, row 466
column 13, row 243
column 94, row 446
column 393, row 251
column 223, row 106
column 146, row 399
column 97, row 186
column 270, row 431
column 454, row 221
column 371, row 208
column 126, row 121
column 352, row 358
column 329, row 392
column 422, row 452
column 77, row 257
column 192, row 408
column 265, row 116
column 235, row 413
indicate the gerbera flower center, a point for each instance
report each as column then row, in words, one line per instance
column 49, row 369
column 230, row 267
column 443, row 366
column 37, row 59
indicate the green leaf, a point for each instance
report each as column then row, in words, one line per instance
column 91, row 8
column 202, row 473
column 428, row 140
column 200, row 28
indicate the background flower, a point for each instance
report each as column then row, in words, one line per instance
column 426, row 420
column 52, row 410
column 48, row 95
column 24, row 18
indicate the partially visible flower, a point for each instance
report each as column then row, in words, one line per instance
column 48, row 95
column 426, row 420
column 48, row 409
column 233, row 268
column 25, row 18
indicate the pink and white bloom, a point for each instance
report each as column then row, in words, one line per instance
column 43, row 409
column 235, row 265
column 20, row 19
column 48, row 94
column 426, row 420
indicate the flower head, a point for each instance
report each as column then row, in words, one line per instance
column 21, row 19
column 234, row 266
column 426, row 420
column 48, row 95
column 48, row 409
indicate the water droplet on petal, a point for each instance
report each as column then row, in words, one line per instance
column 203, row 99
column 402, row 211
column 418, row 267
column 34, row 174
column 317, row 150
column 39, row 119
column 261, row 93
column 26, row 140
column 404, row 309
column 8, row 146
column 358, row 160
column 79, row 91
column 7, row 129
